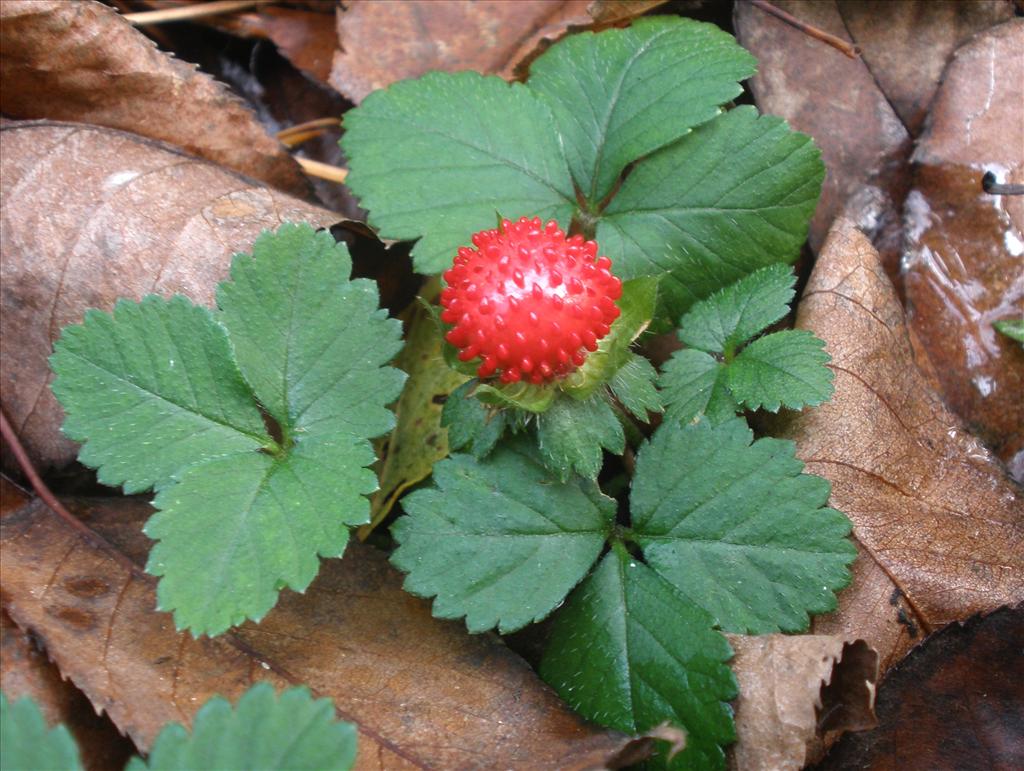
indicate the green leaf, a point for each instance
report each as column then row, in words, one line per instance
column 1013, row 328
column 435, row 158
column 741, row 310
column 737, row 528
column 734, row 195
column 498, row 541
column 471, row 426
column 633, row 385
column 310, row 342
column 636, row 306
column 571, row 434
column 150, row 389
column 263, row 733
column 234, row 531
column 621, row 94
column 629, row 652
column 28, row 743
column 783, row 369
column 687, row 382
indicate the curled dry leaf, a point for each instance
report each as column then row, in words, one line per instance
column 80, row 202
column 862, row 113
column 380, row 43
column 964, row 260
column 939, row 527
column 422, row 692
column 954, row 702
column 307, row 39
column 793, row 690
column 82, row 62
column 25, row 671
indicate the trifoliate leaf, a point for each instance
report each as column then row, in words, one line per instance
column 234, row 531
column 263, row 733
column 629, row 652
column 741, row 310
column 636, row 306
column 1012, row 328
column 633, row 385
column 783, row 369
column 621, row 94
column 312, row 345
column 571, row 434
column 734, row 195
column 28, row 743
column 310, row 342
column 435, row 158
column 471, row 426
column 737, row 528
column 499, row 541
column 150, row 389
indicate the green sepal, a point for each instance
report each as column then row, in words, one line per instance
column 520, row 395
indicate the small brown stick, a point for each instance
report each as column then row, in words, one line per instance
column 323, row 170
column 54, row 504
column 189, row 12
column 818, row 34
column 301, row 132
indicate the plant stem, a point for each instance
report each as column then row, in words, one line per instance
column 838, row 43
column 189, row 12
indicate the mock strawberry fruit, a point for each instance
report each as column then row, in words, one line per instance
column 529, row 302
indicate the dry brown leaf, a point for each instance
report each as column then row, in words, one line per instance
column 82, row 62
column 82, row 203
column 793, row 689
column 615, row 11
column 306, row 38
column 939, row 526
column 906, row 44
column 423, row 693
column 25, row 671
column 964, row 256
column 955, row 702
column 384, row 42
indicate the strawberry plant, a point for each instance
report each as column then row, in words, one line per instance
column 636, row 509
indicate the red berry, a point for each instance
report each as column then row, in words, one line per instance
column 529, row 302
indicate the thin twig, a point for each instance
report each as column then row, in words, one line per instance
column 54, row 504
column 991, row 185
column 300, row 132
column 323, row 170
column 818, row 34
column 190, row 12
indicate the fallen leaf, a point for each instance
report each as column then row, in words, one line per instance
column 25, row 671
column 307, row 39
column 615, row 11
column 963, row 266
column 939, row 527
column 863, row 143
column 82, row 202
column 423, row 693
column 418, row 441
column 905, row 45
column 954, row 702
column 83, row 62
column 794, row 689
column 380, row 43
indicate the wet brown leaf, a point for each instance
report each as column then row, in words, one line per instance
column 82, row 62
column 793, row 690
column 836, row 100
column 954, row 702
column 906, row 44
column 422, row 691
column 89, row 215
column 384, row 42
column 964, row 256
column 939, row 526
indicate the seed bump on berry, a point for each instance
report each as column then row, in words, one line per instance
column 529, row 302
